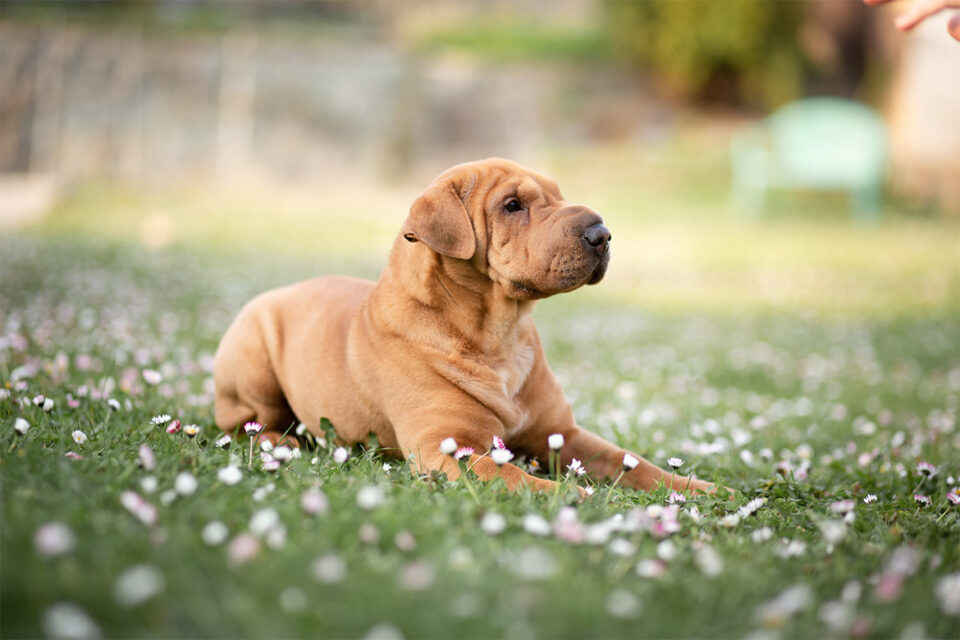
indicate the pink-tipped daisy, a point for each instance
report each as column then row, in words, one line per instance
column 953, row 498
column 173, row 427
column 146, row 458
column 224, row 442
column 498, row 443
column 463, row 452
column 927, row 470
column 842, row 506
column 921, row 499
column 252, row 427
column 675, row 462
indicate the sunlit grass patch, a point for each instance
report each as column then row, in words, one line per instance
column 660, row 260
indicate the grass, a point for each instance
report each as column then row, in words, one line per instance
column 859, row 399
column 802, row 360
column 678, row 245
column 517, row 41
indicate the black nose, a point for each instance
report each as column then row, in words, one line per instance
column 598, row 236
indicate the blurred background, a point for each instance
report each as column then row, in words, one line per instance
column 306, row 129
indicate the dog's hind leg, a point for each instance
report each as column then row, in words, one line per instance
column 277, row 419
column 236, row 404
column 247, row 390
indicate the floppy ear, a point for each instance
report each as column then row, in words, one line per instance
column 439, row 220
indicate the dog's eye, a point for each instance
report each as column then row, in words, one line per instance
column 513, row 205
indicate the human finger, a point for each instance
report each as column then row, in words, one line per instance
column 953, row 27
column 920, row 11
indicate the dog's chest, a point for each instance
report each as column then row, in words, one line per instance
column 496, row 383
column 513, row 372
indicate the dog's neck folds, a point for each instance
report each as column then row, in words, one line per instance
column 473, row 311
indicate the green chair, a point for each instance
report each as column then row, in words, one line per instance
column 812, row 144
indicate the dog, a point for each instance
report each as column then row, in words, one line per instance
column 443, row 344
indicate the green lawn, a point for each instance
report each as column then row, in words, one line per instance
column 843, row 399
column 801, row 360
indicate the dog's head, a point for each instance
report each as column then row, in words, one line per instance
column 513, row 226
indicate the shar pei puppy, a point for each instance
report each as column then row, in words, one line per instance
column 443, row 345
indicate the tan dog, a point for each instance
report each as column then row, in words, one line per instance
column 443, row 344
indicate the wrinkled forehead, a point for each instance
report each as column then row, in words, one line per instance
column 497, row 184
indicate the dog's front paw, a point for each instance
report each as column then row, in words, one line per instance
column 692, row 485
column 720, row 490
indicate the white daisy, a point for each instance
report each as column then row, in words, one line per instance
column 67, row 620
column 230, row 475
column 53, row 539
column 215, row 533
column 329, row 569
column 576, row 467
column 370, row 497
column 493, row 523
column 263, row 520
column 21, row 426
column 448, row 446
column 536, row 524
column 149, row 484
column 501, row 456
column 185, row 484
column 314, row 501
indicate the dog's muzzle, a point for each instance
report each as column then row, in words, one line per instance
column 597, row 237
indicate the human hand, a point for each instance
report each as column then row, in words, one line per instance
column 923, row 9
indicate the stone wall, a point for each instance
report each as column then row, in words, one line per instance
column 124, row 103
